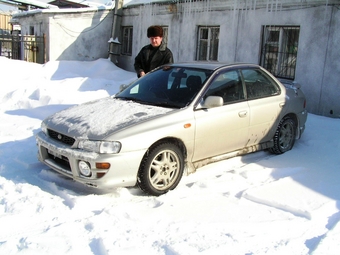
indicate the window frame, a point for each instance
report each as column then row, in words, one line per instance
column 279, row 50
column 126, row 48
column 227, row 84
column 207, row 44
column 259, row 88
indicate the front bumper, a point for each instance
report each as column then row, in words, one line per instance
column 64, row 159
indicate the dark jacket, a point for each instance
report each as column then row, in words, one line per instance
column 144, row 61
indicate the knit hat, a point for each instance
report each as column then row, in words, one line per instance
column 155, row 31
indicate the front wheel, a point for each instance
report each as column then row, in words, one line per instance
column 284, row 137
column 161, row 169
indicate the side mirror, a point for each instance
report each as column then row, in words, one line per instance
column 211, row 102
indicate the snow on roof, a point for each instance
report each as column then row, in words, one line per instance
column 63, row 10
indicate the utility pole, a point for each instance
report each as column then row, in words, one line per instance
column 114, row 48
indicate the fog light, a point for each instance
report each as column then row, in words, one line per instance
column 84, row 168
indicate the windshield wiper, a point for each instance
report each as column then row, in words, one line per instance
column 133, row 99
column 166, row 104
column 126, row 98
column 160, row 104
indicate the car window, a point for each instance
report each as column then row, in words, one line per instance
column 168, row 86
column 258, row 84
column 227, row 85
column 180, row 78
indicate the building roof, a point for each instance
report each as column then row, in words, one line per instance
column 68, row 4
column 27, row 4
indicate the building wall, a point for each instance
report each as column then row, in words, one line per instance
column 79, row 34
column 318, row 65
column 82, row 36
column 329, row 103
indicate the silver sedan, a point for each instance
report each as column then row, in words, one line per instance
column 170, row 122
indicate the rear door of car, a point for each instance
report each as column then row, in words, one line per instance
column 225, row 128
column 265, row 100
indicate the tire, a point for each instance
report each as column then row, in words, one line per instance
column 161, row 169
column 284, row 137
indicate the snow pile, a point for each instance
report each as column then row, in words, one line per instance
column 254, row 204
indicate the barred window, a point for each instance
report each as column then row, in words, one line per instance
column 207, row 45
column 127, row 41
column 279, row 50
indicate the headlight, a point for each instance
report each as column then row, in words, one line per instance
column 100, row 146
column 44, row 127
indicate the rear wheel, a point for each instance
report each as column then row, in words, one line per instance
column 161, row 169
column 284, row 137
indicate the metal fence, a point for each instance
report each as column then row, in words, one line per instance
column 29, row 48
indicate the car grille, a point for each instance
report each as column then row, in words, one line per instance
column 61, row 162
column 61, row 138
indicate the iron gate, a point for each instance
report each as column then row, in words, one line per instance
column 30, row 48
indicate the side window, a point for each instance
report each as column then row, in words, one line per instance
column 31, row 30
column 127, row 40
column 280, row 50
column 258, row 84
column 208, row 41
column 227, row 85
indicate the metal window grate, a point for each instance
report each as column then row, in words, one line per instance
column 279, row 50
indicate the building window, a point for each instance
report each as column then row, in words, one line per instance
column 127, row 41
column 31, row 30
column 279, row 50
column 207, row 45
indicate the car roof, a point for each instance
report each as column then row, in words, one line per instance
column 213, row 65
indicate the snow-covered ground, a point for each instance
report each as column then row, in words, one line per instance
column 254, row 204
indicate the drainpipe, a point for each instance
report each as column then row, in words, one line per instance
column 115, row 33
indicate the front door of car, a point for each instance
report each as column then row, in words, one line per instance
column 224, row 128
column 265, row 101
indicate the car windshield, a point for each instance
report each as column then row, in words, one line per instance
column 168, row 86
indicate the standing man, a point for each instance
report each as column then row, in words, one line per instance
column 154, row 54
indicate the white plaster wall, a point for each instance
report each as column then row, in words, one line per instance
column 82, row 36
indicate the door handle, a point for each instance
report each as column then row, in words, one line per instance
column 282, row 104
column 242, row 114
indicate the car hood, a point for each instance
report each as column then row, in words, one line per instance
column 98, row 119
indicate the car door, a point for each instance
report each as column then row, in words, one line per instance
column 265, row 100
column 222, row 129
